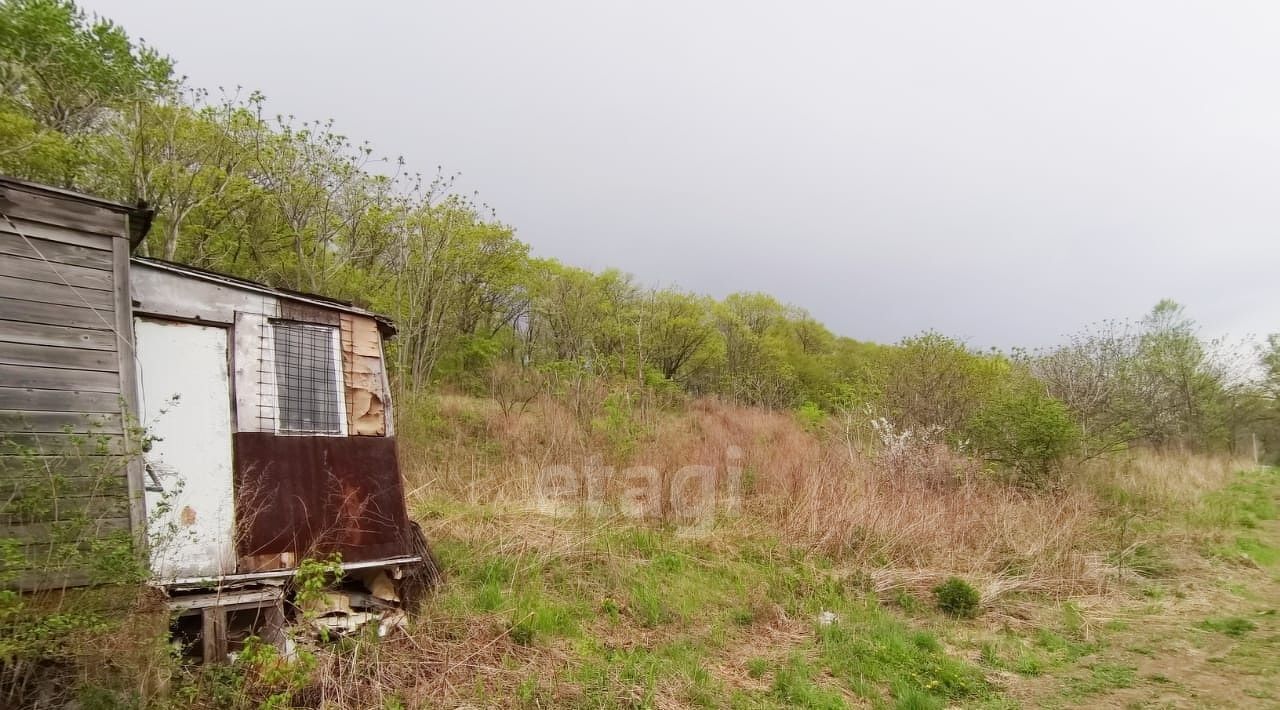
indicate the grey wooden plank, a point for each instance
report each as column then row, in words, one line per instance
column 66, row 578
column 57, row 378
column 48, row 356
column 37, row 399
column 50, row 579
column 56, row 252
column 62, row 211
column 61, row 555
column 61, row 487
column 53, row 314
column 129, row 387
column 53, row 468
column 55, row 422
column 45, row 292
column 67, row 444
column 56, row 335
column 36, row 270
column 37, row 532
column 55, row 233
column 21, row 511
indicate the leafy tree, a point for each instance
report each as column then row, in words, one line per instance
column 67, row 75
column 1269, row 359
column 935, row 381
column 1178, row 382
column 192, row 162
column 442, row 263
column 755, row 368
column 1093, row 374
column 1155, row 381
column 679, row 336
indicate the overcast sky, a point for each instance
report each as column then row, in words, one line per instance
column 1005, row 172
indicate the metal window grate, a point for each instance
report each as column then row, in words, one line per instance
column 306, row 378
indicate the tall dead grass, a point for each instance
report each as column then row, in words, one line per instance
column 1166, row 480
column 924, row 514
column 902, row 521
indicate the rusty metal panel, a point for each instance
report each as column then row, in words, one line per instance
column 300, row 496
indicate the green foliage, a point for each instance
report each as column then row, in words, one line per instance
column 935, row 381
column 1154, row 382
column 1023, row 430
column 43, row 493
column 63, row 76
column 313, row 577
column 811, row 416
column 957, row 598
column 619, row 424
column 311, row 580
column 269, row 680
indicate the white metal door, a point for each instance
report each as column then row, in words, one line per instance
column 186, row 410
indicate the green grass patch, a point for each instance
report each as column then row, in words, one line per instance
column 1234, row 626
column 1063, row 649
column 757, row 667
column 873, row 651
column 630, row 677
column 1246, row 550
column 1245, row 503
column 795, row 686
column 1102, row 677
column 1009, row 652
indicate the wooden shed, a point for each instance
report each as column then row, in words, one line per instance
column 271, row 417
column 66, row 381
column 233, row 428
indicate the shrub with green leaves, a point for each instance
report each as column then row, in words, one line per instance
column 1025, row 431
column 810, row 416
column 957, row 598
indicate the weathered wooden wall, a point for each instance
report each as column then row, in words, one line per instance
column 66, row 380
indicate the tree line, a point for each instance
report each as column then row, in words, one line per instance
column 298, row 205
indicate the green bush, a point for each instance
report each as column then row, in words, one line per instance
column 957, row 598
column 1025, row 431
column 810, row 416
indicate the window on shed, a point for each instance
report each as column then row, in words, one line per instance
column 307, row 378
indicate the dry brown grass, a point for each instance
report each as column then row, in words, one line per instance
column 937, row 513
column 1162, row 480
column 899, row 525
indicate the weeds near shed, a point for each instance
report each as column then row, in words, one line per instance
column 601, row 610
column 68, row 495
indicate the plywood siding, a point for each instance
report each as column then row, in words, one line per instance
column 363, row 375
column 63, row 476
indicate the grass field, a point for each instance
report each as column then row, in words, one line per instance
column 1153, row 582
